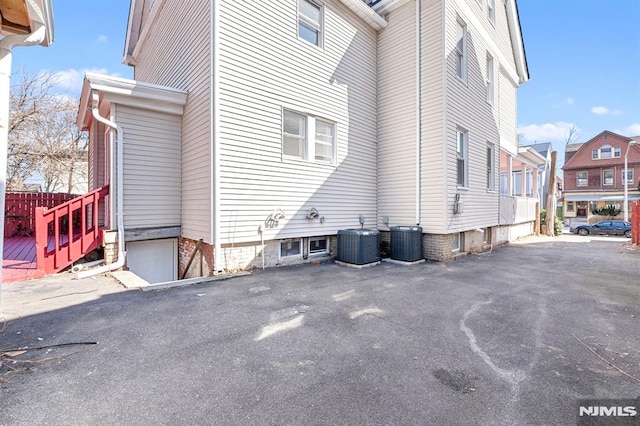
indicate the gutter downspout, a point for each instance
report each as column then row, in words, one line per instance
column 119, row 194
column 215, row 135
column 6, row 55
column 418, row 113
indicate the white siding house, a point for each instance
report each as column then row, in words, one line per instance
column 292, row 120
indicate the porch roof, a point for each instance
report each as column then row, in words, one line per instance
column 632, row 197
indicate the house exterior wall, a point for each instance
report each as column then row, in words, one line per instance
column 152, row 167
column 178, row 55
column 467, row 109
column 260, row 77
column 397, row 117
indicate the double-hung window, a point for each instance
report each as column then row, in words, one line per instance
column 491, row 169
column 582, row 178
column 462, row 157
column 308, row 138
column 461, row 51
column 629, row 176
column 310, row 22
column 489, row 81
column 607, row 177
column 491, row 11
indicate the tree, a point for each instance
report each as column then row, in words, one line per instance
column 43, row 138
column 572, row 135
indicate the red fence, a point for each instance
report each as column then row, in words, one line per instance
column 19, row 213
column 635, row 222
column 74, row 229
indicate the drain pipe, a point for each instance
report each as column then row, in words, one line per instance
column 418, row 113
column 119, row 195
column 6, row 55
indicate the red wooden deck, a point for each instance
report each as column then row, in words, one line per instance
column 19, row 260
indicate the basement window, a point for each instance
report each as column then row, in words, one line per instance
column 290, row 248
column 318, row 246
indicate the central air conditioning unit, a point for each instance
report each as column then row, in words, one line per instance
column 358, row 246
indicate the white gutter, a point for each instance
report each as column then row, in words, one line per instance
column 95, row 100
column 366, row 13
column 38, row 36
column 215, row 135
column 418, row 113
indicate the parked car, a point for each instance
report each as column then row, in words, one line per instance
column 607, row 227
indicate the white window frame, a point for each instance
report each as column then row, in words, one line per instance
column 570, row 206
column 290, row 240
column 317, row 26
column 461, row 51
column 491, row 167
column 615, row 152
column 318, row 252
column 457, row 243
column 490, row 81
column 585, row 179
column 604, row 177
column 462, row 157
column 310, row 137
column 491, row 11
column 629, row 172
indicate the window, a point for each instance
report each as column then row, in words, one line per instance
column 308, row 137
column 491, row 11
column 529, row 183
column 489, row 81
column 310, row 22
column 324, row 141
column 461, row 52
column 582, row 178
column 290, row 248
column 570, row 206
column 606, row 151
column 491, row 170
column 486, row 236
column 458, row 242
column 294, row 134
column 318, row 245
column 607, row 177
column 629, row 176
column 462, row 156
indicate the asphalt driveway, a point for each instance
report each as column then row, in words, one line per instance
column 514, row 336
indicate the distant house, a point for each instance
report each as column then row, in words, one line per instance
column 255, row 131
column 594, row 174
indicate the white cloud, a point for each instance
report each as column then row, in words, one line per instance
column 600, row 110
column 570, row 101
column 72, row 78
column 103, row 39
column 546, row 132
column 632, row 130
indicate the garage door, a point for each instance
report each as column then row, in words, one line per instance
column 155, row 260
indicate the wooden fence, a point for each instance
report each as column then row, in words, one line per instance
column 19, row 213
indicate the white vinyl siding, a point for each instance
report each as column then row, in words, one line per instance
column 467, row 109
column 397, row 118
column 152, row 171
column 177, row 55
column 262, row 76
column 434, row 153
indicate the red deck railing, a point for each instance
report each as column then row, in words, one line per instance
column 75, row 230
column 20, row 210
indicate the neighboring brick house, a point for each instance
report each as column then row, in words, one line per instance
column 264, row 128
column 594, row 173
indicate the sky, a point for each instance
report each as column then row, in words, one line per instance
column 583, row 58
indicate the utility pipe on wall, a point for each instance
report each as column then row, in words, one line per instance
column 418, row 113
column 215, row 135
column 95, row 102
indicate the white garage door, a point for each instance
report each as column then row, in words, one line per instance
column 155, row 260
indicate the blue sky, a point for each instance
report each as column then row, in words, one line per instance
column 583, row 56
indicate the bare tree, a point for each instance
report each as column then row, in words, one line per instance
column 572, row 135
column 43, row 138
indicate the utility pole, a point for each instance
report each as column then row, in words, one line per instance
column 551, row 198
